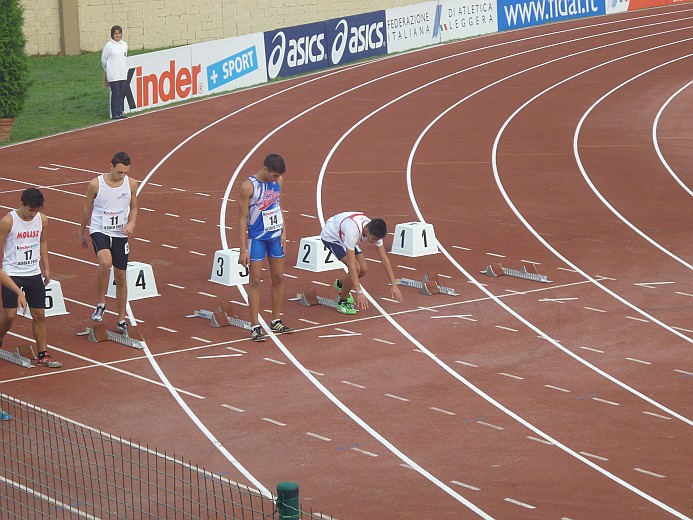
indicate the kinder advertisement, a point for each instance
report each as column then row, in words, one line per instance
column 466, row 18
column 514, row 14
column 296, row 50
column 412, row 26
column 163, row 77
column 356, row 37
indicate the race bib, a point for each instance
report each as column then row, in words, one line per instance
column 113, row 221
column 272, row 219
column 26, row 255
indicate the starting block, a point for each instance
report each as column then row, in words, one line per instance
column 98, row 333
column 428, row 286
column 226, row 270
column 22, row 356
column 224, row 317
column 314, row 256
column 528, row 273
column 309, row 298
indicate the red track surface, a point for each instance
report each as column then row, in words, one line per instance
column 567, row 400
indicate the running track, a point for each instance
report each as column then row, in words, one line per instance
column 568, row 146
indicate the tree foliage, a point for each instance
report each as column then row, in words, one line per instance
column 13, row 59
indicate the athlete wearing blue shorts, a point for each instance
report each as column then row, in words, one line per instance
column 263, row 234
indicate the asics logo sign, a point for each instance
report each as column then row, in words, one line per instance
column 295, row 52
column 357, row 39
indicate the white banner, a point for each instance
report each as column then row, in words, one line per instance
column 412, row 26
column 465, row 18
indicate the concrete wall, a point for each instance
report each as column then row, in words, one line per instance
column 152, row 24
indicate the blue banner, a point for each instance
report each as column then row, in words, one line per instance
column 355, row 37
column 295, row 50
column 231, row 68
column 514, row 14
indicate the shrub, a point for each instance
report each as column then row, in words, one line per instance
column 13, row 59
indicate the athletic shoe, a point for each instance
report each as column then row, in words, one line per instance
column 279, row 327
column 338, row 287
column 4, row 416
column 346, row 308
column 48, row 362
column 122, row 327
column 98, row 312
column 257, row 334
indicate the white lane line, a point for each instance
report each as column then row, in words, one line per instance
column 593, row 350
column 651, row 473
column 384, row 341
column 495, row 427
column 177, row 189
column 397, row 397
column 638, row 361
column 272, row 421
column 161, row 327
column 275, row 361
column 345, row 331
column 467, row 486
column 518, row 503
column 198, row 253
column 320, row 437
column 510, row 375
column 202, row 194
column 237, row 350
column 169, row 246
column 446, row 412
column 200, row 339
column 198, row 221
column 683, row 294
column 467, row 364
column 175, row 286
column 637, row 319
column 605, row 401
column 339, row 335
column 353, row 384
column 143, row 240
column 593, row 456
column 172, row 215
column 595, row 310
column 406, row 267
column 557, row 300
column 308, row 321
column 240, row 410
column 496, row 255
column 147, row 209
column 506, row 328
column 206, row 294
column 369, row 453
column 542, row 441
column 659, row 416
column 467, row 317
column 462, row 248
column 557, row 388
column 307, row 216
column 650, row 284
column 218, row 356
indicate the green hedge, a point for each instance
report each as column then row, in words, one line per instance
column 13, row 59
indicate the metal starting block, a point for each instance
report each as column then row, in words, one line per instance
column 98, row 333
column 429, row 286
column 22, row 356
column 525, row 272
column 309, row 298
column 224, row 317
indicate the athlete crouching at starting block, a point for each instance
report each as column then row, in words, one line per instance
column 341, row 234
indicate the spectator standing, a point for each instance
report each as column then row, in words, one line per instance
column 114, row 63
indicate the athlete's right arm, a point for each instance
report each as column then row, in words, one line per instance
column 244, row 206
column 92, row 190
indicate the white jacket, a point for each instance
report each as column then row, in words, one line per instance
column 113, row 60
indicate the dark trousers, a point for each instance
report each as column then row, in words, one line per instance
column 117, row 97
